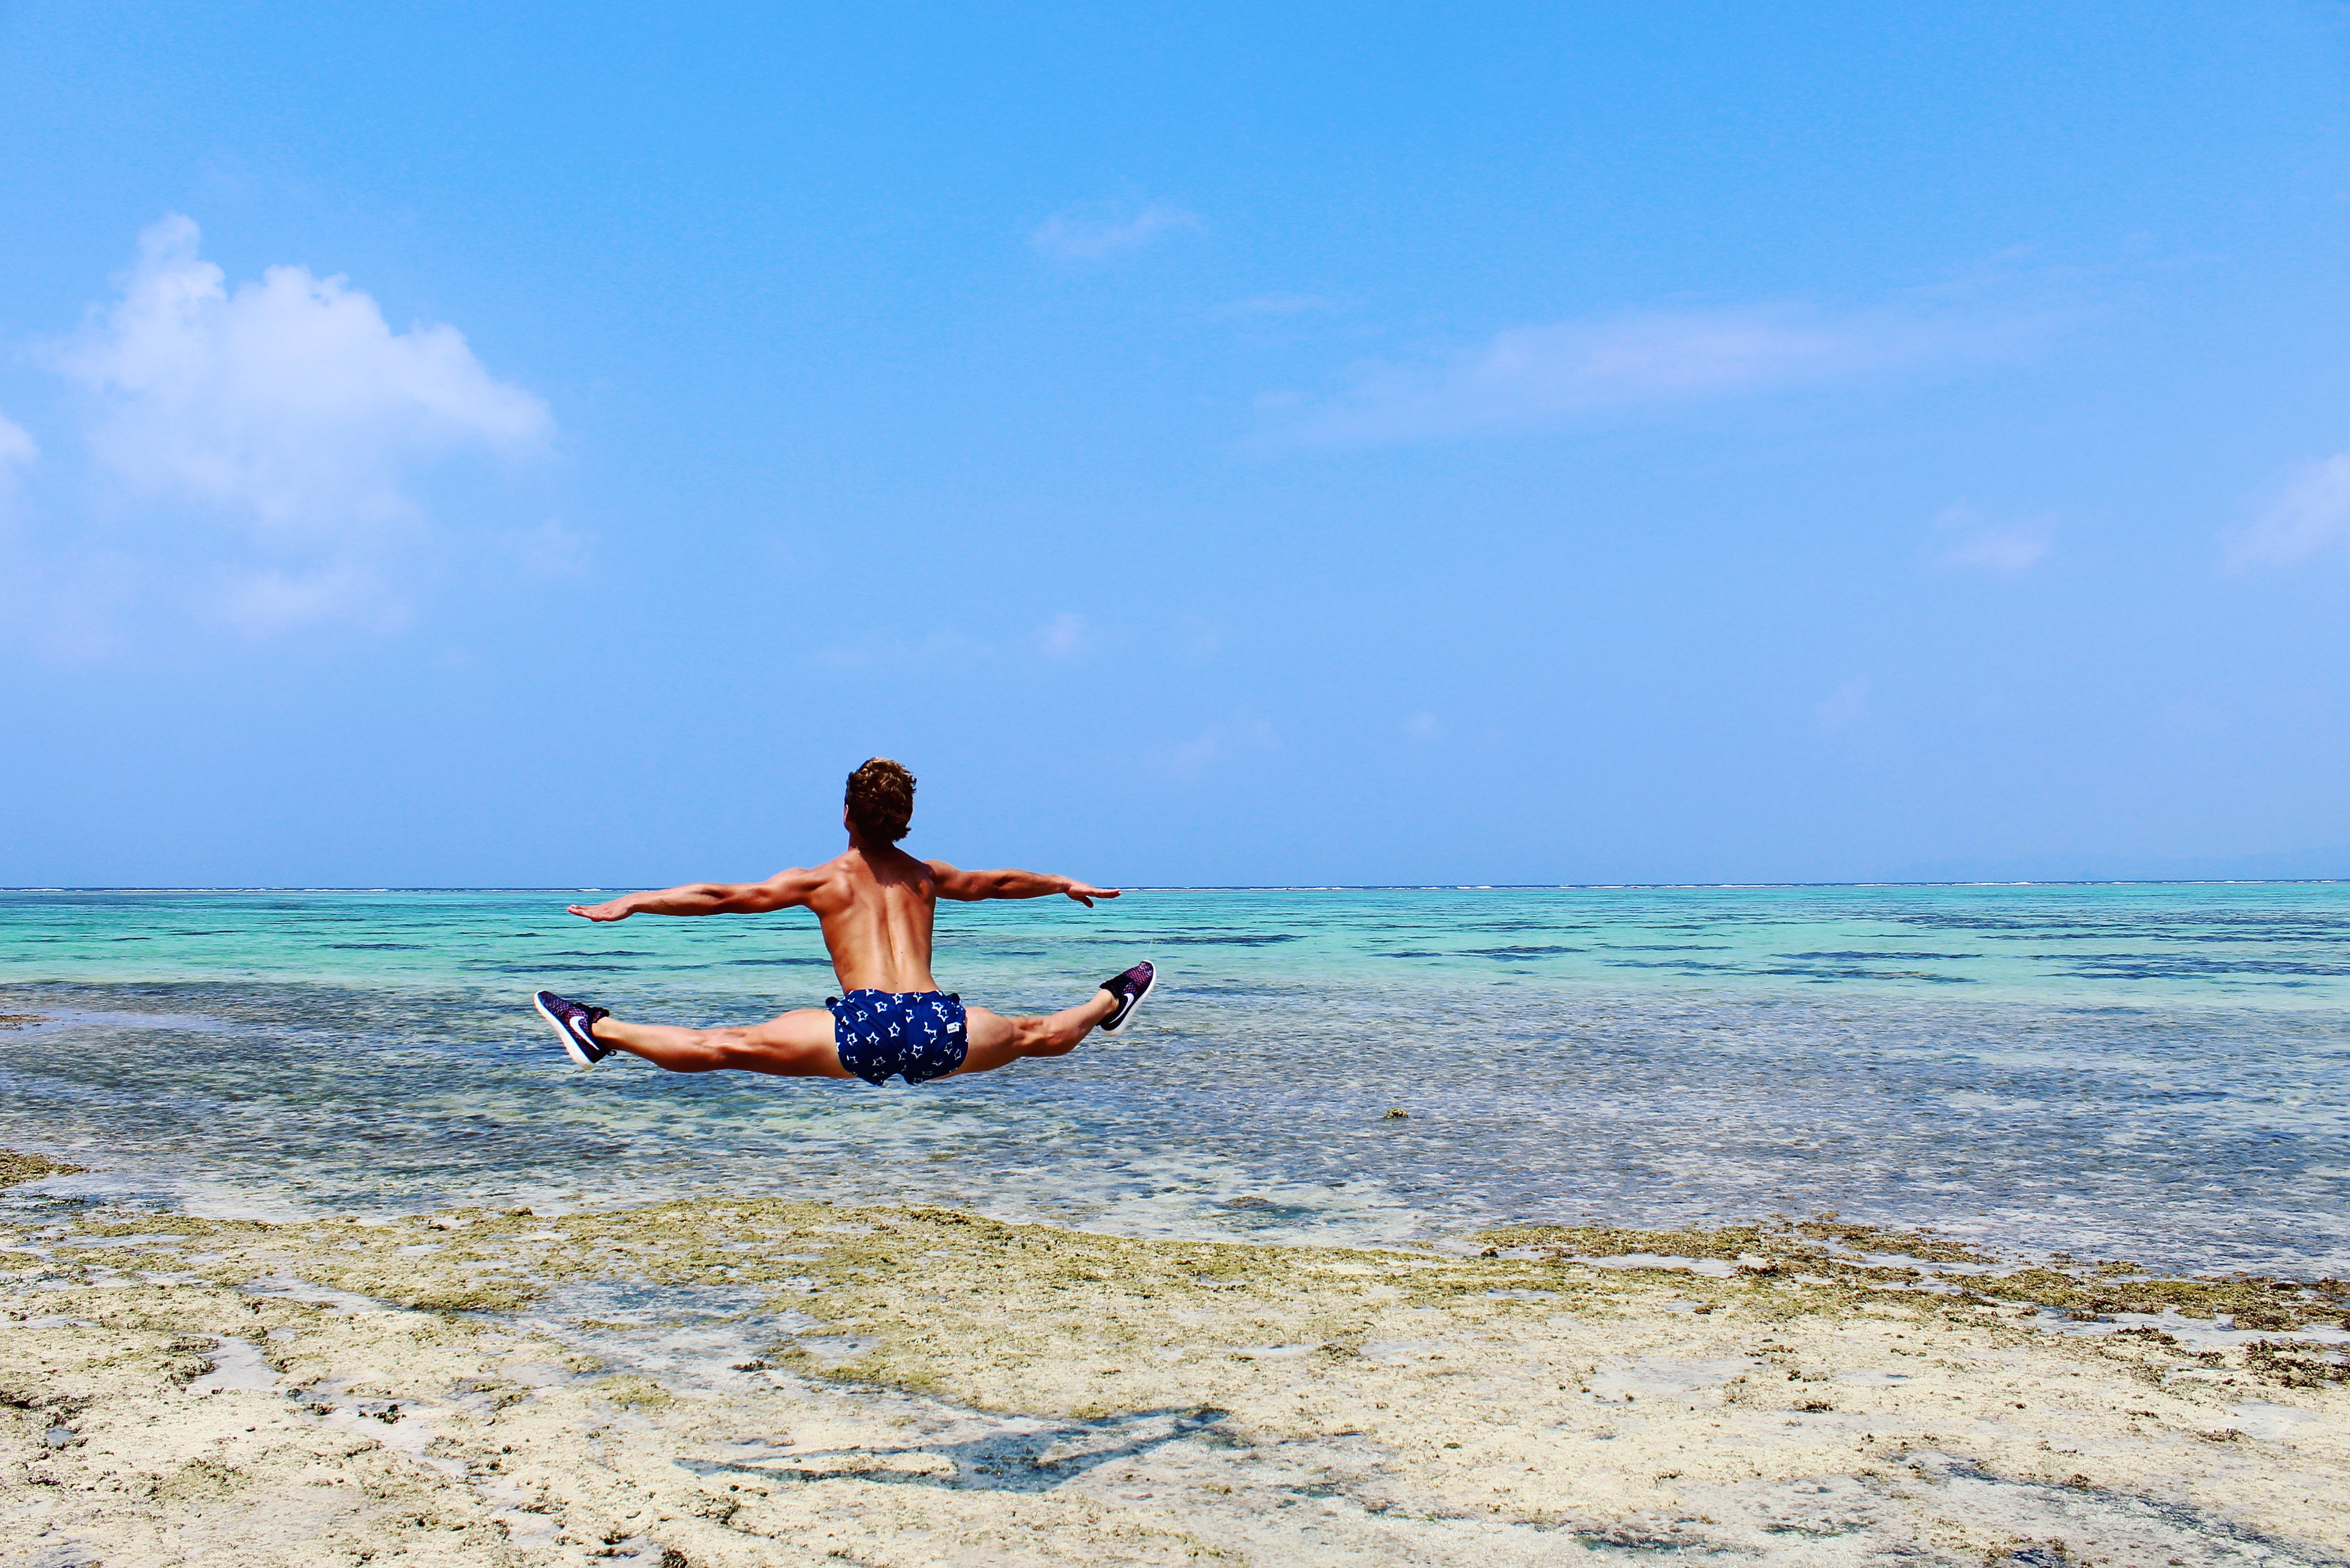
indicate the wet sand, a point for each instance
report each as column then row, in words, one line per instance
column 762, row 1382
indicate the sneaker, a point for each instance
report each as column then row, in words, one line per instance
column 572, row 1022
column 1130, row 989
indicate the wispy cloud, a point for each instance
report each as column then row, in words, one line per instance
column 68, row 605
column 1218, row 743
column 2310, row 518
column 1843, row 708
column 1074, row 236
column 2010, row 548
column 548, row 550
column 1258, row 305
column 290, row 407
column 277, row 599
column 17, row 452
column 1554, row 374
column 1065, row 637
column 873, row 648
column 59, row 607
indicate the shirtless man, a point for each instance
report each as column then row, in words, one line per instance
column 876, row 903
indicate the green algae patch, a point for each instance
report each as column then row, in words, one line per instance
column 1018, row 1316
column 1778, row 1242
column 2293, row 1365
column 199, row 1480
column 170, row 1225
column 499, row 1297
column 2257, row 1302
column 632, row 1392
column 1006, row 1315
column 16, row 1167
column 1849, row 1258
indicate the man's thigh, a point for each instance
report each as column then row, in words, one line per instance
column 799, row 1044
column 992, row 1041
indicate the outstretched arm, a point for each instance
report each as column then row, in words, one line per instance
column 972, row 885
column 784, row 890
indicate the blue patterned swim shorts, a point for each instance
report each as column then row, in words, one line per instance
column 917, row 1033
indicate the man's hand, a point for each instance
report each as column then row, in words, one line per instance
column 614, row 909
column 1085, row 893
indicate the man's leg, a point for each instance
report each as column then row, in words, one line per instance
column 997, row 1040
column 796, row 1045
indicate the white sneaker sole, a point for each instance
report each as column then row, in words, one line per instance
column 570, row 1045
column 1148, row 987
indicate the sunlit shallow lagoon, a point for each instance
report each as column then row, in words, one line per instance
column 2151, row 1072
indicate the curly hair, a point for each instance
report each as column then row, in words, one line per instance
column 881, row 800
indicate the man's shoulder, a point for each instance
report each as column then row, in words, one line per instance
column 817, row 880
column 908, row 869
column 854, row 869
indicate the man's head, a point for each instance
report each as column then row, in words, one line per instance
column 880, row 800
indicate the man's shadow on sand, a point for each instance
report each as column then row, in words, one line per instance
column 998, row 1461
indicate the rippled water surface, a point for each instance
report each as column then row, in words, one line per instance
column 2150, row 1071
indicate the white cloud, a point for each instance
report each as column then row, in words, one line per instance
column 290, row 398
column 1070, row 236
column 288, row 407
column 2310, row 518
column 2010, row 548
column 1533, row 376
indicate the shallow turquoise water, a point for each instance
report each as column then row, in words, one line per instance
column 2151, row 1072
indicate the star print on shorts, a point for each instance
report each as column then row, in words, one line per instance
column 916, row 1033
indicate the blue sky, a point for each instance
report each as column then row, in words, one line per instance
column 1484, row 444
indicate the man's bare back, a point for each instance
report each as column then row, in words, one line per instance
column 876, row 905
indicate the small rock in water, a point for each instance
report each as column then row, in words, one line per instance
column 1397, row 1114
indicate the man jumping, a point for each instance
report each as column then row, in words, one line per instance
column 877, row 904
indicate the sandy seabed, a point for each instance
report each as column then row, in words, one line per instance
column 759, row 1382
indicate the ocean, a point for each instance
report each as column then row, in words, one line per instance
column 2152, row 1073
